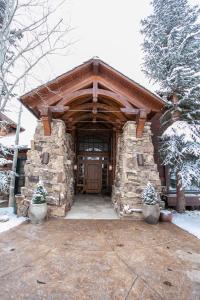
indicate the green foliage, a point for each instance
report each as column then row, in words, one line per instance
column 40, row 194
column 149, row 195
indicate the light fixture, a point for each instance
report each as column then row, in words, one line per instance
column 110, row 168
column 75, row 167
column 140, row 159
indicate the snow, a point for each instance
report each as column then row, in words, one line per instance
column 13, row 219
column 9, row 140
column 188, row 221
column 189, row 132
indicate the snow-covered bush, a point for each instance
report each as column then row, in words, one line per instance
column 4, row 174
column 149, row 195
column 40, row 194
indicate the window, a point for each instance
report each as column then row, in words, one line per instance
column 93, row 144
column 20, row 179
column 172, row 184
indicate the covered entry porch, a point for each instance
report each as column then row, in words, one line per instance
column 93, row 137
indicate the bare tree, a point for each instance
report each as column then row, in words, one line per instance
column 29, row 32
column 14, row 163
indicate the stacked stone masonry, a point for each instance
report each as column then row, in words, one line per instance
column 130, row 177
column 51, row 160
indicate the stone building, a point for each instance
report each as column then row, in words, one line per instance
column 93, row 136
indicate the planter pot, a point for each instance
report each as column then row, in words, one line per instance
column 151, row 213
column 37, row 213
column 166, row 217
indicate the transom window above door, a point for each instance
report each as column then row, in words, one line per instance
column 93, row 144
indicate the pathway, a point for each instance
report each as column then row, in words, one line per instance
column 99, row 260
column 91, row 206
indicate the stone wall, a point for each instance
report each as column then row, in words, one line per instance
column 130, row 177
column 51, row 160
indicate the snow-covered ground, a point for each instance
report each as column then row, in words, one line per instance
column 13, row 219
column 189, row 221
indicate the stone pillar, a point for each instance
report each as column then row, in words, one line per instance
column 133, row 171
column 51, row 160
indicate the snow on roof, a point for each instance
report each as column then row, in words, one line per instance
column 3, row 117
column 9, row 140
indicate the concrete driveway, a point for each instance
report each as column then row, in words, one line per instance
column 99, row 260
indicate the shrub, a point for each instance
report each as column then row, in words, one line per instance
column 40, row 194
column 149, row 195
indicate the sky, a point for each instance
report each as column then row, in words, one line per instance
column 109, row 29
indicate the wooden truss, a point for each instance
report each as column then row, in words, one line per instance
column 93, row 93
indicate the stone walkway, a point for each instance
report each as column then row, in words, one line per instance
column 92, row 207
column 99, row 260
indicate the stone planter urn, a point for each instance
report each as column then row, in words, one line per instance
column 38, row 205
column 37, row 213
column 151, row 209
column 151, row 213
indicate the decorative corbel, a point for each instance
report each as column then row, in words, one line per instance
column 141, row 119
column 45, row 114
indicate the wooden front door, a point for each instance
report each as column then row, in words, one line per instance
column 93, row 177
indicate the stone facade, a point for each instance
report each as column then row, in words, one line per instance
column 135, row 166
column 51, row 160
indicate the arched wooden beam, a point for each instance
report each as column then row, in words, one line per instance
column 118, row 98
column 54, row 96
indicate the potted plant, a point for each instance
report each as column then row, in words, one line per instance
column 38, row 205
column 151, row 209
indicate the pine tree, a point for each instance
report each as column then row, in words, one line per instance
column 40, row 194
column 149, row 195
column 172, row 59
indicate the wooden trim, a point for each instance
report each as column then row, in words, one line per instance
column 47, row 125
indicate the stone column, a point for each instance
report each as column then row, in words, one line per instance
column 51, row 160
column 135, row 166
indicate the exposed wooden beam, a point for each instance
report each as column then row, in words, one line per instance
column 59, row 108
column 118, row 98
column 95, row 91
column 130, row 111
column 141, row 122
column 92, row 107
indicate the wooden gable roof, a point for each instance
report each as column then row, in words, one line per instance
column 93, row 92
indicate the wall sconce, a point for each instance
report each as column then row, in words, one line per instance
column 140, row 159
column 75, row 167
column 110, row 167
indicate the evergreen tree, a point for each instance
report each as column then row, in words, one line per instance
column 172, row 59
column 40, row 194
column 5, row 152
column 149, row 195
